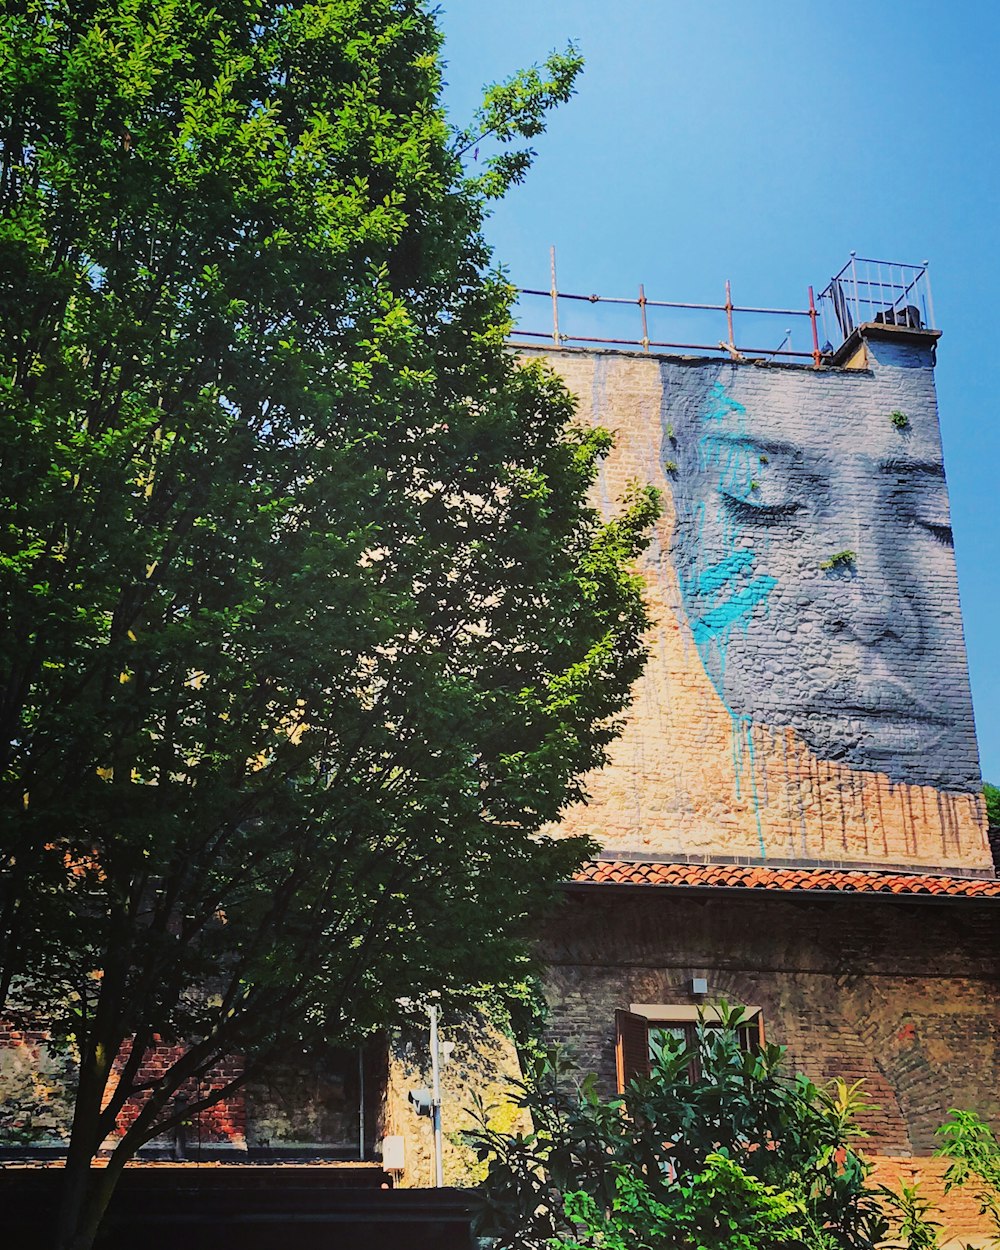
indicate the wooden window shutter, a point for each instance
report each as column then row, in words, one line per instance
column 631, row 1047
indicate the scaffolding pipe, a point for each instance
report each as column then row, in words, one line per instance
column 555, row 296
column 857, row 302
column 930, row 300
column 815, row 331
column 861, row 281
column 642, row 310
column 663, row 303
column 729, row 321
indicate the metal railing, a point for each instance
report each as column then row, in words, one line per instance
column 880, row 291
column 863, row 291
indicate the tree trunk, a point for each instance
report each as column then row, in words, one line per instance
column 83, row 1145
column 85, row 1200
column 96, row 1060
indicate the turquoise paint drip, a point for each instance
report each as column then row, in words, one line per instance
column 753, row 782
column 711, row 630
column 745, row 755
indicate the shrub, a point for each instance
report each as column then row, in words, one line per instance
column 741, row 1157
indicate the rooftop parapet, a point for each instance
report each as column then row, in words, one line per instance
column 866, row 295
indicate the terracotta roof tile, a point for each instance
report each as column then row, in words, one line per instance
column 754, row 877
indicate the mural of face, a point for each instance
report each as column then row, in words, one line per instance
column 814, row 553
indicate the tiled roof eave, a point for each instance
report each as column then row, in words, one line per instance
column 817, row 882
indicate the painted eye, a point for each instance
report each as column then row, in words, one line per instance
column 940, row 533
column 746, row 508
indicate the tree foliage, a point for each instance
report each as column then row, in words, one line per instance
column 738, row 1156
column 992, row 797
column 974, row 1151
column 309, row 626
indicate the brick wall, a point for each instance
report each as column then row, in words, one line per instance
column 37, row 1081
column 902, row 995
column 957, row 1212
column 792, row 710
column 221, row 1124
column 307, row 1105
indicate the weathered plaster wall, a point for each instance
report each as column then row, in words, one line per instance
column 796, row 706
column 36, row 1089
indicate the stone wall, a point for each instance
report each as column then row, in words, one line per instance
column 312, row 1102
column 807, row 697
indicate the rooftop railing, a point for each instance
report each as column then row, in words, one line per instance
column 876, row 291
column 865, row 291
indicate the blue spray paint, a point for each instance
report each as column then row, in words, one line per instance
column 717, row 621
column 727, row 593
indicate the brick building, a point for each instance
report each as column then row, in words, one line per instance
column 792, row 819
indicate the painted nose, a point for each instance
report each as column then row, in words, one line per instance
column 874, row 605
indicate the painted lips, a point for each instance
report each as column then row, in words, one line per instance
column 885, row 716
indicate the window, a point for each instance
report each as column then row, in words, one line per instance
column 637, row 1030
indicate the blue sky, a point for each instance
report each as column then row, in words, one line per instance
column 762, row 142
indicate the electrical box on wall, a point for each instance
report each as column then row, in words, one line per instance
column 393, row 1154
column 699, row 985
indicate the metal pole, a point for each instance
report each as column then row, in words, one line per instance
column 930, row 302
column 857, row 302
column 642, row 309
column 812, row 320
column 361, row 1103
column 555, row 296
column 432, row 1011
column 729, row 319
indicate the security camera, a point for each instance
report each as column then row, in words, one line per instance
column 421, row 1100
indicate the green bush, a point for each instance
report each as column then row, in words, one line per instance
column 974, row 1152
column 742, row 1157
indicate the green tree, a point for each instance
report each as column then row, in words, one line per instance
column 992, row 796
column 310, row 628
column 740, row 1156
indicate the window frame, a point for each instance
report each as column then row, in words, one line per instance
column 629, row 1062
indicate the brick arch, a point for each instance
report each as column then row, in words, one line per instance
column 900, row 1042
column 826, row 1040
